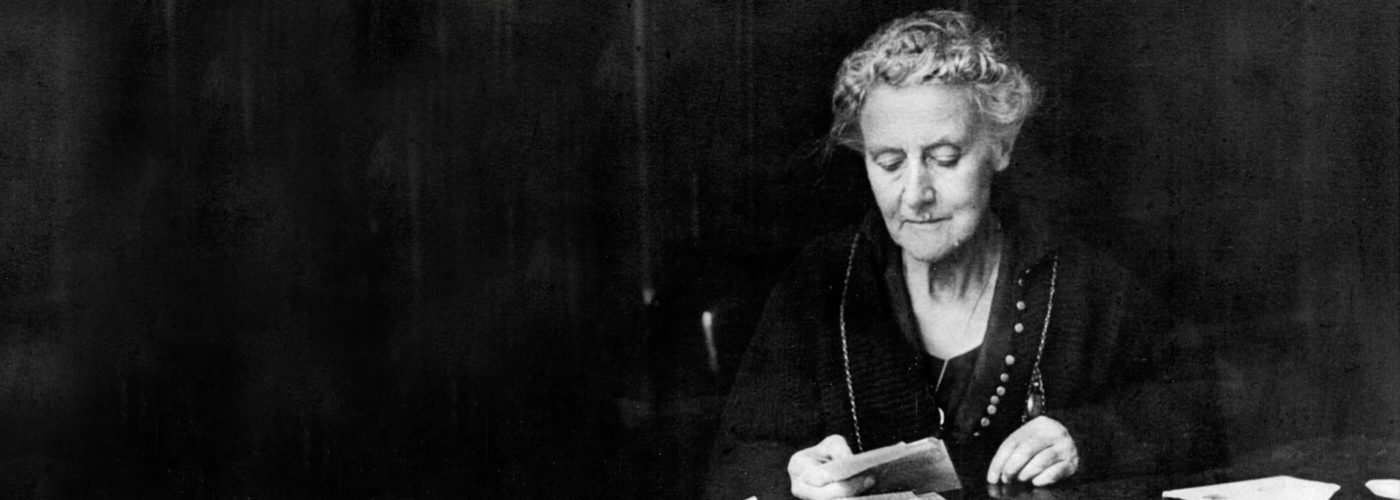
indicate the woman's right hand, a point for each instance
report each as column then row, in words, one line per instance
column 811, row 481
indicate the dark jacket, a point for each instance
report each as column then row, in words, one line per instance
column 1133, row 401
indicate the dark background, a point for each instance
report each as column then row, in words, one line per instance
column 405, row 249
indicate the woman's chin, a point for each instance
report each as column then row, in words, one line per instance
column 927, row 252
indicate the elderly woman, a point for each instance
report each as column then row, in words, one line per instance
column 951, row 312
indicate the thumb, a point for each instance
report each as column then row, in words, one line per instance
column 835, row 446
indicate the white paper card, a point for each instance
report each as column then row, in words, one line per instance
column 916, row 468
column 855, row 464
column 1384, row 488
column 1269, row 488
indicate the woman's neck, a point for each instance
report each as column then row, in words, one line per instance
column 964, row 274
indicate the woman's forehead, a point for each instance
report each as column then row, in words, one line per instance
column 917, row 112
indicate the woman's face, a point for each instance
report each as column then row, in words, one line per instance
column 930, row 166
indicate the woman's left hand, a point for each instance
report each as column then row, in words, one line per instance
column 1041, row 452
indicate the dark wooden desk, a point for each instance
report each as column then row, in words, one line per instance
column 1349, row 462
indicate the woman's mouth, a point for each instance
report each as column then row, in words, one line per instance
column 924, row 220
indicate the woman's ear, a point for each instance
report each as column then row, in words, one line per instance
column 1002, row 152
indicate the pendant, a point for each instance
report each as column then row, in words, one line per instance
column 1035, row 398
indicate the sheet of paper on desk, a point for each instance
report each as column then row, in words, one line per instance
column 1269, row 488
column 1384, row 488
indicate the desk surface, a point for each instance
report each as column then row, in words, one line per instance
column 1348, row 462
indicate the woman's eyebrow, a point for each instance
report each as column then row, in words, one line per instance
column 942, row 144
column 880, row 150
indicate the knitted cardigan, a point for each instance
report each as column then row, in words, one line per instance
column 1133, row 399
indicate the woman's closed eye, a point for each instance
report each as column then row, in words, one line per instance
column 890, row 161
column 944, row 156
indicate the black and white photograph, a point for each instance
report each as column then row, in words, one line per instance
column 700, row 249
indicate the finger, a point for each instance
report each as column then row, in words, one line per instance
column 1018, row 459
column 803, row 460
column 836, row 489
column 999, row 460
column 835, row 446
column 1055, row 473
column 817, row 477
column 1037, row 464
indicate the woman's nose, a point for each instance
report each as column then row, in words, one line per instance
column 920, row 189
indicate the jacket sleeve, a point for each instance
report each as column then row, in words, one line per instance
column 774, row 407
column 1149, row 404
